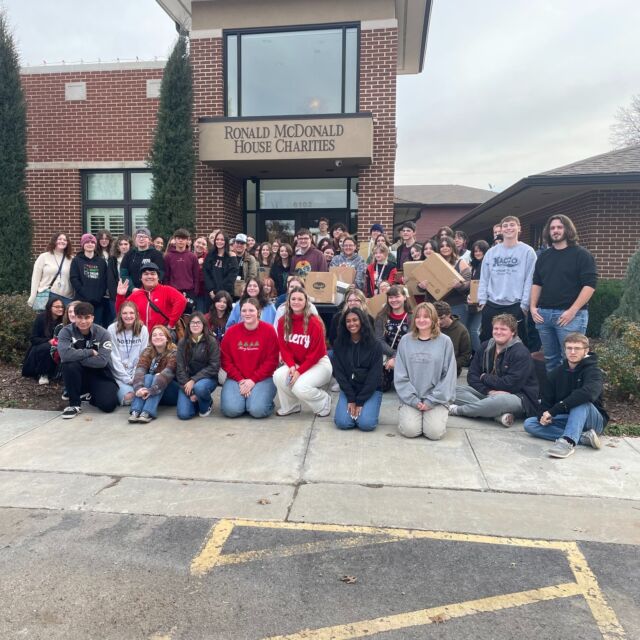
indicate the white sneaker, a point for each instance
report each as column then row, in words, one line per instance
column 295, row 409
column 71, row 412
column 326, row 409
column 507, row 419
column 453, row 409
column 43, row 380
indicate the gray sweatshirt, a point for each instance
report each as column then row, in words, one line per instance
column 425, row 371
column 506, row 276
column 126, row 352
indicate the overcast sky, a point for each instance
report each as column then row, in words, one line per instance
column 510, row 88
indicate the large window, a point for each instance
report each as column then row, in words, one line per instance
column 116, row 200
column 278, row 73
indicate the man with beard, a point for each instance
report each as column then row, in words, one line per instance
column 564, row 280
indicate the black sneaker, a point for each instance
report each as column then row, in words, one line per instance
column 144, row 417
column 71, row 412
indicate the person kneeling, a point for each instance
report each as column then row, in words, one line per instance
column 197, row 365
column 572, row 408
column 357, row 366
column 424, row 376
column 307, row 367
column 153, row 381
column 502, row 379
column 85, row 354
column 250, row 357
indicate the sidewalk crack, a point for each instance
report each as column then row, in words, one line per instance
column 484, row 477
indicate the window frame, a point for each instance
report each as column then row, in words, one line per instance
column 127, row 203
column 343, row 26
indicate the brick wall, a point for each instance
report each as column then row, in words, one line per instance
column 54, row 198
column 608, row 225
column 378, row 62
column 432, row 218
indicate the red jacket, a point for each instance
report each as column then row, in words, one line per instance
column 169, row 300
column 251, row 355
column 300, row 348
column 388, row 274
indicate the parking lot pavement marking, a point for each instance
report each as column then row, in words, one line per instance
column 604, row 615
column 440, row 614
column 586, row 584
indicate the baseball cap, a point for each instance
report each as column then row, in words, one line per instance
column 150, row 266
column 241, row 237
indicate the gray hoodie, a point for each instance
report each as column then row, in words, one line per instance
column 425, row 371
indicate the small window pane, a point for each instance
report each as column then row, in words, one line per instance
column 139, row 217
column 351, row 71
column 141, row 185
column 354, row 193
column 251, row 195
column 251, row 224
column 110, row 218
column 232, row 76
column 105, row 186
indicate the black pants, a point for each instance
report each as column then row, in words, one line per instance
column 491, row 310
column 98, row 382
column 39, row 362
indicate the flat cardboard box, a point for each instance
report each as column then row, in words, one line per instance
column 473, row 291
column 321, row 286
column 439, row 274
column 413, row 272
column 344, row 273
column 375, row 304
column 363, row 250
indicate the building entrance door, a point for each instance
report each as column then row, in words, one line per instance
column 282, row 226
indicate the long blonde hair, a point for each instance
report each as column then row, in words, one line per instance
column 431, row 312
column 288, row 314
column 137, row 323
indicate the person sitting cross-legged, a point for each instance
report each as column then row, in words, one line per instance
column 572, row 411
column 502, row 380
column 451, row 326
column 250, row 356
column 85, row 353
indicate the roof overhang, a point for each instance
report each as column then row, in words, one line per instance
column 413, row 17
column 539, row 192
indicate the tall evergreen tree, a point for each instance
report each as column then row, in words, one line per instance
column 172, row 157
column 15, row 237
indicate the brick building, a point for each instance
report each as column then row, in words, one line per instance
column 294, row 119
column 600, row 194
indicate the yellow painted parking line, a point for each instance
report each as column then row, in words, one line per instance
column 212, row 548
column 365, row 628
column 604, row 615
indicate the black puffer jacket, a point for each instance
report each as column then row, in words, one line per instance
column 203, row 360
column 511, row 371
column 568, row 388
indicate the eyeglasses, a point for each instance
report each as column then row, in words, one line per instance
column 194, row 323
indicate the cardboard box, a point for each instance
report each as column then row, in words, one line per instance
column 473, row 291
column 321, row 286
column 439, row 274
column 375, row 304
column 344, row 273
column 414, row 273
column 363, row 250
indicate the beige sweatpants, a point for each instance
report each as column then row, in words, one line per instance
column 431, row 424
column 307, row 388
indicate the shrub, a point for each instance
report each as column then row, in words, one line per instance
column 603, row 303
column 630, row 302
column 15, row 328
column 619, row 356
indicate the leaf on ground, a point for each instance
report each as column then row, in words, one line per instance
column 264, row 501
column 615, row 467
column 349, row 579
column 390, row 435
column 613, row 446
column 88, row 419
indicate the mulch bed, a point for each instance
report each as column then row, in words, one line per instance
column 25, row 393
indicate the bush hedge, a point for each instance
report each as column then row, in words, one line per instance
column 603, row 303
column 15, row 327
column 619, row 356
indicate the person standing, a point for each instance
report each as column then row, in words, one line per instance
column 119, row 250
column 200, row 250
column 89, row 276
column 307, row 258
column 572, row 409
column 250, row 356
column 564, row 280
column 323, row 231
column 505, row 280
column 220, row 267
column 349, row 258
column 281, row 267
column 474, row 317
column 51, row 276
column 181, row 269
column 143, row 253
column 408, row 235
column 247, row 264
column 357, row 367
column 424, row 376
column 380, row 270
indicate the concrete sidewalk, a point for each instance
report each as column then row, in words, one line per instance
column 481, row 478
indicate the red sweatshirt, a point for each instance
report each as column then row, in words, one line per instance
column 304, row 350
column 251, row 355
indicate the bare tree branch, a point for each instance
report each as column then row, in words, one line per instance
column 625, row 131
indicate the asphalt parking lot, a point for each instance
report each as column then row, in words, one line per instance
column 76, row 575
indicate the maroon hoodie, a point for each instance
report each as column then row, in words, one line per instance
column 181, row 270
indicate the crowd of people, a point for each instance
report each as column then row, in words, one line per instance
column 126, row 322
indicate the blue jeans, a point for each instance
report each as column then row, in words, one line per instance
column 202, row 390
column 474, row 319
column 259, row 404
column 169, row 397
column 368, row 418
column 584, row 416
column 552, row 335
column 123, row 389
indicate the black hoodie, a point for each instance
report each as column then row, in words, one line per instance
column 133, row 261
column 568, row 388
column 88, row 277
